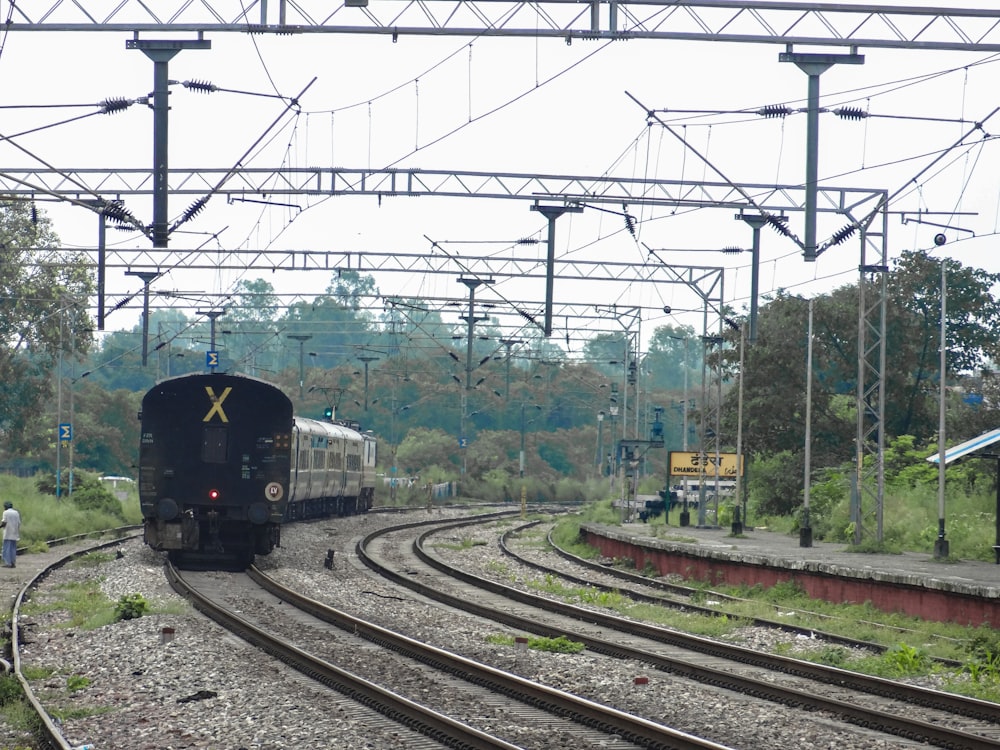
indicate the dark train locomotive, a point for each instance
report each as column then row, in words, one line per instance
column 223, row 463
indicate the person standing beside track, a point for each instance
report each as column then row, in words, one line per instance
column 11, row 525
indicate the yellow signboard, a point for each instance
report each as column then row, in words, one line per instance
column 695, row 464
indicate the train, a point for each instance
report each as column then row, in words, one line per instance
column 224, row 463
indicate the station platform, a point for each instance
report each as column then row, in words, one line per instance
column 915, row 583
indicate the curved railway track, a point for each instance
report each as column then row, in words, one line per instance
column 62, row 552
column 424, row 557
column 316, row 645
column 681, row 597
column 928, row 716
column 664, row 593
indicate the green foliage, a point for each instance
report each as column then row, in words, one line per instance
column 902, row 660
column 427, row 449
column 88, row 493
column 558, row 645
column 555, row 457
column 835, row 656
column 43, row 517
column 10, row 689
column 44, row 313
column 131, row 607
column 76, row 682
column 775, row 486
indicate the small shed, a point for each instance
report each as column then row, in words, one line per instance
column 983, row 446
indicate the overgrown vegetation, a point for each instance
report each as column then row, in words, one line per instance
column 558, row 645
column 90, row 507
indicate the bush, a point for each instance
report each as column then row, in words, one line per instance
column 88, row 493
column 775, row 486
column 131, row 607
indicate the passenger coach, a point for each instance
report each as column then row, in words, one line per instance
column 223, row 463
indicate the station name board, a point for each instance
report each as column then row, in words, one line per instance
column 695, row 464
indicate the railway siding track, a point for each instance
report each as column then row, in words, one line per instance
column 756, row 672
column 889, row 688
column 679, row 596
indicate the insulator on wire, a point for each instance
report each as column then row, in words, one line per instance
column 527, row 241
column 203, row 86
column 777, row 225
column 116, row 212
column 121, row 303
column 732, row 250
column 842, row 234
column 850, row 113
column 630, row 224
column 526, row 315
column 194, row 209
column 111, row 106
column 774, row 110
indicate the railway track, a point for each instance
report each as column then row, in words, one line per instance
column 61, row 553
column 324, row 634
column 919, row 714
column 350, row 586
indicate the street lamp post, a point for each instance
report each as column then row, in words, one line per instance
column 302, row 338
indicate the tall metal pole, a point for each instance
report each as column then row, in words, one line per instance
column 161, row 52
column 146, row 276
column 212, row 315
column 941, row 544
column 471, row 321
column 739, row 519
column 814, row 65
column 59, row 384
column 521, row 461
column 302, row 338
column 599, row 459
column 805, row 531
column 366, row 359
column 551, row 213
column 755, row 222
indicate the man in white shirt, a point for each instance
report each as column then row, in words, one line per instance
column 11, row 525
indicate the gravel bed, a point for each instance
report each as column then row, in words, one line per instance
column 137, row 690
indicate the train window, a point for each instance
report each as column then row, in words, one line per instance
column 214, row 445
column 319, row 460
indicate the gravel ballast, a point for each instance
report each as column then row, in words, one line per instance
column 139, row 688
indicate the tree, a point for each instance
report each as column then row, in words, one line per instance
column 250, row 327
column 673, row 352
column 423, row 448
column 43, row 314
column 973, row 334
column 775, row 368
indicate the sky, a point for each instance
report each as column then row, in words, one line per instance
column 533, row 106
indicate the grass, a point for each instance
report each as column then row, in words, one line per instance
column 465, row 543
column 559, row 645
column 85, row 607
column 913, row 647
column 43, row 517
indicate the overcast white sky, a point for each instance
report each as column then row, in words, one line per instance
column 518, row 105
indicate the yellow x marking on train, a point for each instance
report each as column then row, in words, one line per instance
column 216, row 404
